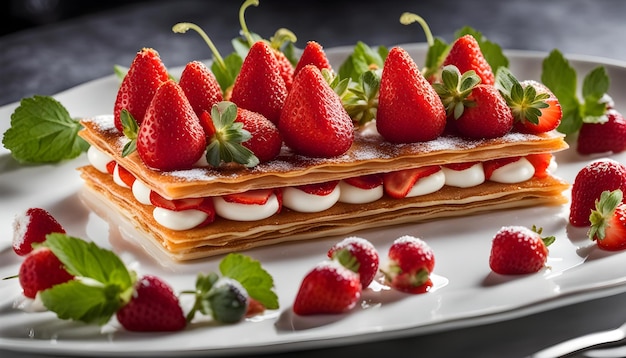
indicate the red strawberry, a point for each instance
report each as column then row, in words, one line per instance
column 366, row 181
column 490, row 166
column 32, row 226
column 535, row 108
column 153, row 307
column 145, row 75
column 411, row 262
column 357, row 254
column 285, row 68
column 398, row 184
column 608, row 221
column 200, row 87
column 329, row 288
column 541, row 163
column 321, row 189
column 170, row 137
column 518, row 250
column 603, row 137
column 203, row 204
column 40, row 270
column 266, row 140
column 127, row 177
column 409, row 109
column 590, row 182
column 313, row 54
column 466, row 55
column 252, row 197
column 313, row 122
column 488, row 117
column 259, row 86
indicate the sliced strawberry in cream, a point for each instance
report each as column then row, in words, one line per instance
column 464, row 175
column 110, row 166
column 250, row 205
column 311, row 198
column 414, row 182
column 123, row 177
column 508, row 170
column 182, row 214
column 361, row 190
column 99, row 160
column 542, row 163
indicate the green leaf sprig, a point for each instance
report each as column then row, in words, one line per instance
column 42, row 131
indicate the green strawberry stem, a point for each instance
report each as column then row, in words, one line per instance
column 408, row 18
column 600, row 217
column 281, row 36
column 183, row 27
column 242, row 20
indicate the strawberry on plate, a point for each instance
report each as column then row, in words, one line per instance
column 359, row 255
column 329, row 288
column 608, row 221
column 41, row 270
column 31, row 227
column 411, row 261
column 153, row 307
column 590, row 182
column 603, row 137
column 409, row 109
column 519, row 250
column 313, row 121
column 145, row 75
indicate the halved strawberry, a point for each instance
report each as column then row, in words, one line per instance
column 399, row 183
column 608, row 221
column 366, row 181
column 490, row 166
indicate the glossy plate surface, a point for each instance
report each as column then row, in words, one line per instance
column 466, row 293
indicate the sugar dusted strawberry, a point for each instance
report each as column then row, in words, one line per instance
column 608, row 221
column 357, row 254
column 31, row 227
column 259, row 86
column 170, row 137
column 411, row 261
column 41, row 270
column 265, row 141
column 153, row 307
column 409, row 109
column 200, row 87
column 590, row 182
column 519, row 250
column 466, row 55
column 329, row 288
column 313, row 54
column 537, row 110
column 313, row 122
column 605, row 137
column 145, row 75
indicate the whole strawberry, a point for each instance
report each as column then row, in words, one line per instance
column 518, row 250
column 608, row 221
column 329, row 288
column 265, row 141
column 170, row 137
column 409, row 109
column 313, row 54
column 466, row 55
column 313, row 122
column 200, row 87
column 411, row 262
column 32, row 226
column 357, row 254
column 153, row 307
column 590, row 182
column 145, row 75
column 259, row 86
column 606, row 137
column 40, row 270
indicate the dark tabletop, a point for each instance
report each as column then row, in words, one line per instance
column 57, row 56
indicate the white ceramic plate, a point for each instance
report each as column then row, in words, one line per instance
column 465, row 294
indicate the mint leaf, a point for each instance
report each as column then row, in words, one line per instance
column 362, row 59
column 258, row 282
column 42, row 131
column 561, row 79
column 434, row 57
column 226, row 75
column 102, row 283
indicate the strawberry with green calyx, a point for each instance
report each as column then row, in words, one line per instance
column 409, row 109
column 535, row 108
column 145, row 75
column 517, row 250
column 313, row 121
column 225, row 144
column 603, row 137
column 411, row 261
column 608, row 221
column 225, row 69
column 358, row 255
column 227, row 298
column 200, row 87
column 476, row 110
column 170, row 137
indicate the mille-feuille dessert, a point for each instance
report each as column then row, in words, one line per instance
column 305, row 190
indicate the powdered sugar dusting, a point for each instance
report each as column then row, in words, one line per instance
column 104, row 122
column 20, row 226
